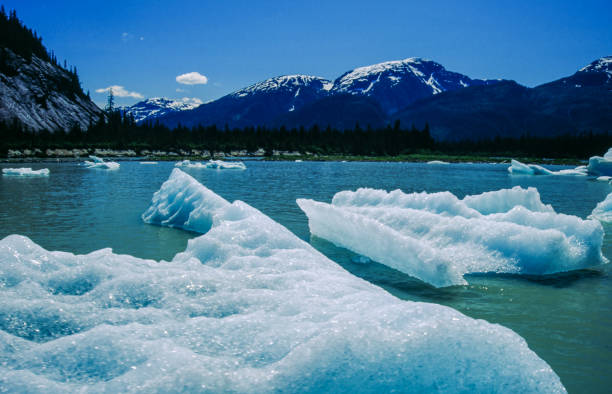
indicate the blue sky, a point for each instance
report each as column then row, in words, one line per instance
column 144, row 45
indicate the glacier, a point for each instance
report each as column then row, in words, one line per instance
column 603, row 210
column 247, row 307
column 97, row 162
column 438, row 238
column 518, row 168
column 25, row 171
column 213, row 164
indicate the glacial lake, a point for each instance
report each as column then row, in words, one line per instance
column 565, row 318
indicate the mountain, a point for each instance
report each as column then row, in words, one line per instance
column 390, row 85
column 578, row 103
column 258, row 104
column 396, row 84
column 341, row 112
column 34, row 89
column 155, row 107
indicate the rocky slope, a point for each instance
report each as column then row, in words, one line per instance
column 40, row 94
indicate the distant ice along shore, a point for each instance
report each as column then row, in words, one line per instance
column 26, row 171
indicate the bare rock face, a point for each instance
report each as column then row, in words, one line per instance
column 42, row 95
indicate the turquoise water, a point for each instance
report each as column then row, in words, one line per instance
column 566, row 319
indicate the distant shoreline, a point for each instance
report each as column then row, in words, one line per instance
column 410, row 158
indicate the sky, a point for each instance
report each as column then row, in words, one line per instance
column 206, row 49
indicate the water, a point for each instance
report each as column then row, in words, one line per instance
column 566, row 318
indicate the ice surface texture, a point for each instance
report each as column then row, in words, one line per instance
column 26, row 171
column 439, row 238
column 247, row 307
column 603, row 210
column 518, row 168
column 213, row 164
column 101, row 164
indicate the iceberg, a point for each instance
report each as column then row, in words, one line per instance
column 437, row 162
column 439, row 238
column 213, row 164
column 25, row 171
column 148, row 162
column 97, row 162
column 518, row 168
column 247, row 307
column 601, row 165
column 603, row 210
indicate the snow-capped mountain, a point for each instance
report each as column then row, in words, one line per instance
column 38, row 94
column 160, row 106
column 391, row 85
column 396, row 84
column 257, row 104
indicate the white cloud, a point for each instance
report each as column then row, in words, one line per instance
column 120, row 91
column 192, row 78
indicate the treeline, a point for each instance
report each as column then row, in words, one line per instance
column 25, row 43
column 121, row 132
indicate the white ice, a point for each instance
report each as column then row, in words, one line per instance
column 248, row 307
column 601, row 166
column 439, row 238
column 25, row 171
column 518, row 168
column 603, row 210
column 213, row 164
column 99, row 163
column 148, row 162
column 437, row 162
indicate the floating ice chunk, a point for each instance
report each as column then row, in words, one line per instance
column 518, row 168
column 25, row 171
column 213, row 164
column 248, row 307
column 437, row 162
column 439, row 238
column 601, row 165
column 148, row 162
column 604, row 178
column 183, row 202
column 101, row 164
column 603, row 210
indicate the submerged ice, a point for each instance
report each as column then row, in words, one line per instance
column 25, row 171
column 246, row 307
column 439, row 238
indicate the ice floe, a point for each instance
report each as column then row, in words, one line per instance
column 247, row 307
column 439, row 238
column 25, row 171
column 97, row 162
column 437, row 162
column 518, row 168
column 601, row 165
column 212, row 164
column 603, row 210
column 148, row 162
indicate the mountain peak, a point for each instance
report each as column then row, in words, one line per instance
column 603, row 64
column 285, row 82
column 155, row 107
